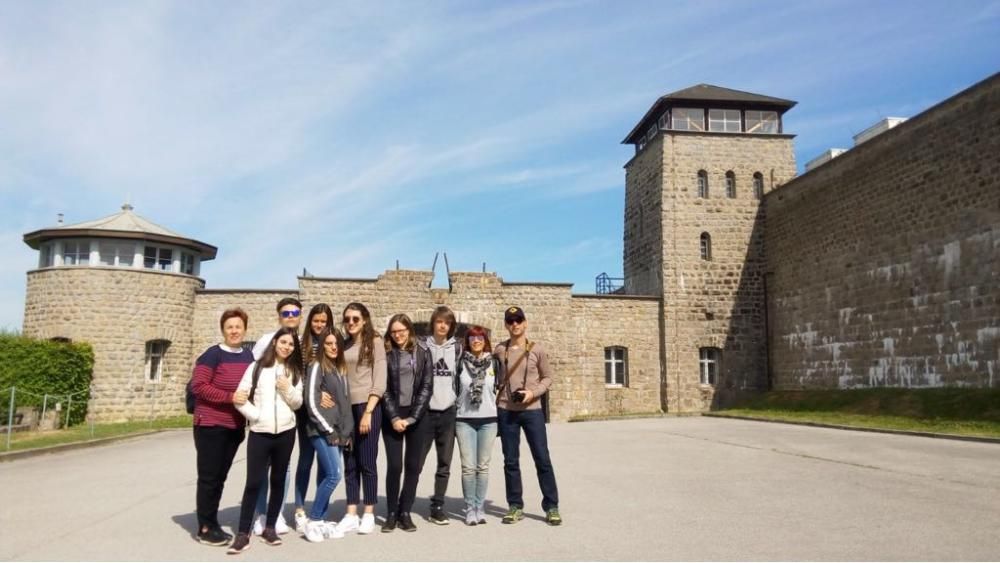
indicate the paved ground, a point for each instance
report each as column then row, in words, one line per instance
column 670, row 488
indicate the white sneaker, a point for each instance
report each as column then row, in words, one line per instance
column 331, row 532
column 281, row 526
column 315, row 530
column 258, row 525
column 367, row 523
column 300, row 521
column 349, row 523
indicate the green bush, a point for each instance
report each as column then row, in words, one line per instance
column 40, row 367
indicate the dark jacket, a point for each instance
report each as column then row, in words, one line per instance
column 335, row 423
column 423, row 384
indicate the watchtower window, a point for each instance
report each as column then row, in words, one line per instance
column 724, row 120
column 758, row 185
column 688, row 119
column 762, row 122
column 76, row 253
column 730, row 184
column 157, row 258
column 703, row 184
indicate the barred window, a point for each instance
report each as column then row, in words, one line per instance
column 709, row 360
column 616, row 366
column 702, row 184
column 758, row 185
column 706, row 246
column 730, row 184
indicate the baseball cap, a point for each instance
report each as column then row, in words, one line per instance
column 513, row 313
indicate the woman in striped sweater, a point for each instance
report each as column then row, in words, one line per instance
column 218, row 426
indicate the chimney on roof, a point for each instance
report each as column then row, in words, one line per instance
column 59, row 219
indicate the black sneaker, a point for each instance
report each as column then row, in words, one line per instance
column 270, row 537
column 438, row 516
column 214, row 536
column 240, row 544
column 390, row 523
column 406, row 522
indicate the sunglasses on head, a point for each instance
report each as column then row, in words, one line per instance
column 290, row 314
column 351, row 320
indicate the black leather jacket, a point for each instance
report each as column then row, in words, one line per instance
column 423, row 384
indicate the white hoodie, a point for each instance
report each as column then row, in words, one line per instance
column 272, row 411
column 443, row 367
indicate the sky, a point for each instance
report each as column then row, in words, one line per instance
column 341, row 137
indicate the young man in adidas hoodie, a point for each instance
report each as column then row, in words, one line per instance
column 445, row 355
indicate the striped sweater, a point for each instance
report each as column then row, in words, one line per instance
column 217, row 372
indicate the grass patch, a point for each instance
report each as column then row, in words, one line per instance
column 971, row 412
column 85, row 432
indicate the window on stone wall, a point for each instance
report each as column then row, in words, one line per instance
column 730, row 184
column 616, row 366
column 758, row 185
column 155, row 350
column 688, row 119
column 706, row 246
column 117, row 254
column 187, row 263
column 157, row 258
column 76, row 253
column 45, row 256
column 724, row 120
column 709, row 360
column 702, row 184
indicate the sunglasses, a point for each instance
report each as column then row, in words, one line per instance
column 351, row 320
column 477, row 339
column 515, row 321
column 290, row 314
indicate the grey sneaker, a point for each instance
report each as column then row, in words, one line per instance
column 514, row 515
column 471, row 515
column 481, row 514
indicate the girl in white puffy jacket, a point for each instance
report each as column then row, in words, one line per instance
column 268, row 394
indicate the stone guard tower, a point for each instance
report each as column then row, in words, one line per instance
column 127, row 286
column 693, row 235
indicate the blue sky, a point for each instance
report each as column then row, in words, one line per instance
column 341, row 137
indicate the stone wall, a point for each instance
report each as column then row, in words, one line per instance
column 643, row 225
column 259, row 305
column 575, row 328
column 117, row 311
column 885, row 262
column 719, row 302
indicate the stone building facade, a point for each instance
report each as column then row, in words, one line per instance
column 877, row 268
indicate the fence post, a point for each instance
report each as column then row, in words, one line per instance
column 45, row 405
column 10, row 415
column 69, row 407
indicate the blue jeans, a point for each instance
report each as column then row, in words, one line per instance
column 475, row 446
column 330, row 466
column 510, row 424
column 306, row 454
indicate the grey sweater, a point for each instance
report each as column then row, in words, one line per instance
column 337, row 422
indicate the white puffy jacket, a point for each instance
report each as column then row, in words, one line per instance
column 271, row 411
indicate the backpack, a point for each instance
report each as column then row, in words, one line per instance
column 189, row 398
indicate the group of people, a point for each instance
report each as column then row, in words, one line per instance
column 339, row 393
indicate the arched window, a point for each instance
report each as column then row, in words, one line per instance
column 730, row 184
column 758, row 185
column 155, row 350
column 709, row 360
column 702, row 184
column 706, row 246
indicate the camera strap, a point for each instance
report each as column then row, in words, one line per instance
column 517, row 363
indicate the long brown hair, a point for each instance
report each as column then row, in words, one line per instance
column 411, row 338
column 328, row 365
column 308, row 337
column 367, row 353
column 293, row 363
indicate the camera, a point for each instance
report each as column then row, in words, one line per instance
column 517, row 396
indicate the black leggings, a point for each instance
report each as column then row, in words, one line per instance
column 263, row 450
column 408, row 463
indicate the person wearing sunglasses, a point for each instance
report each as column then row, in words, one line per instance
column 526, row 377
column 366, row 376
column 476, row 422
column 407, row 394
column 289, row 316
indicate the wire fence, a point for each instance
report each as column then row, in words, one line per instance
column 23, row 410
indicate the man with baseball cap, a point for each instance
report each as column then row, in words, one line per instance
column 525, row 379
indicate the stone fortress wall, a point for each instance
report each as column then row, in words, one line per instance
column 884, row 263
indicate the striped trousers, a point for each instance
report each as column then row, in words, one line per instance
column 361, row 462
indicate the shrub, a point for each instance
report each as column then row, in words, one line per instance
column 40, row 367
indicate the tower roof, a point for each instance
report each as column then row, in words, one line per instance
column 703, row 94
column 124, row 224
